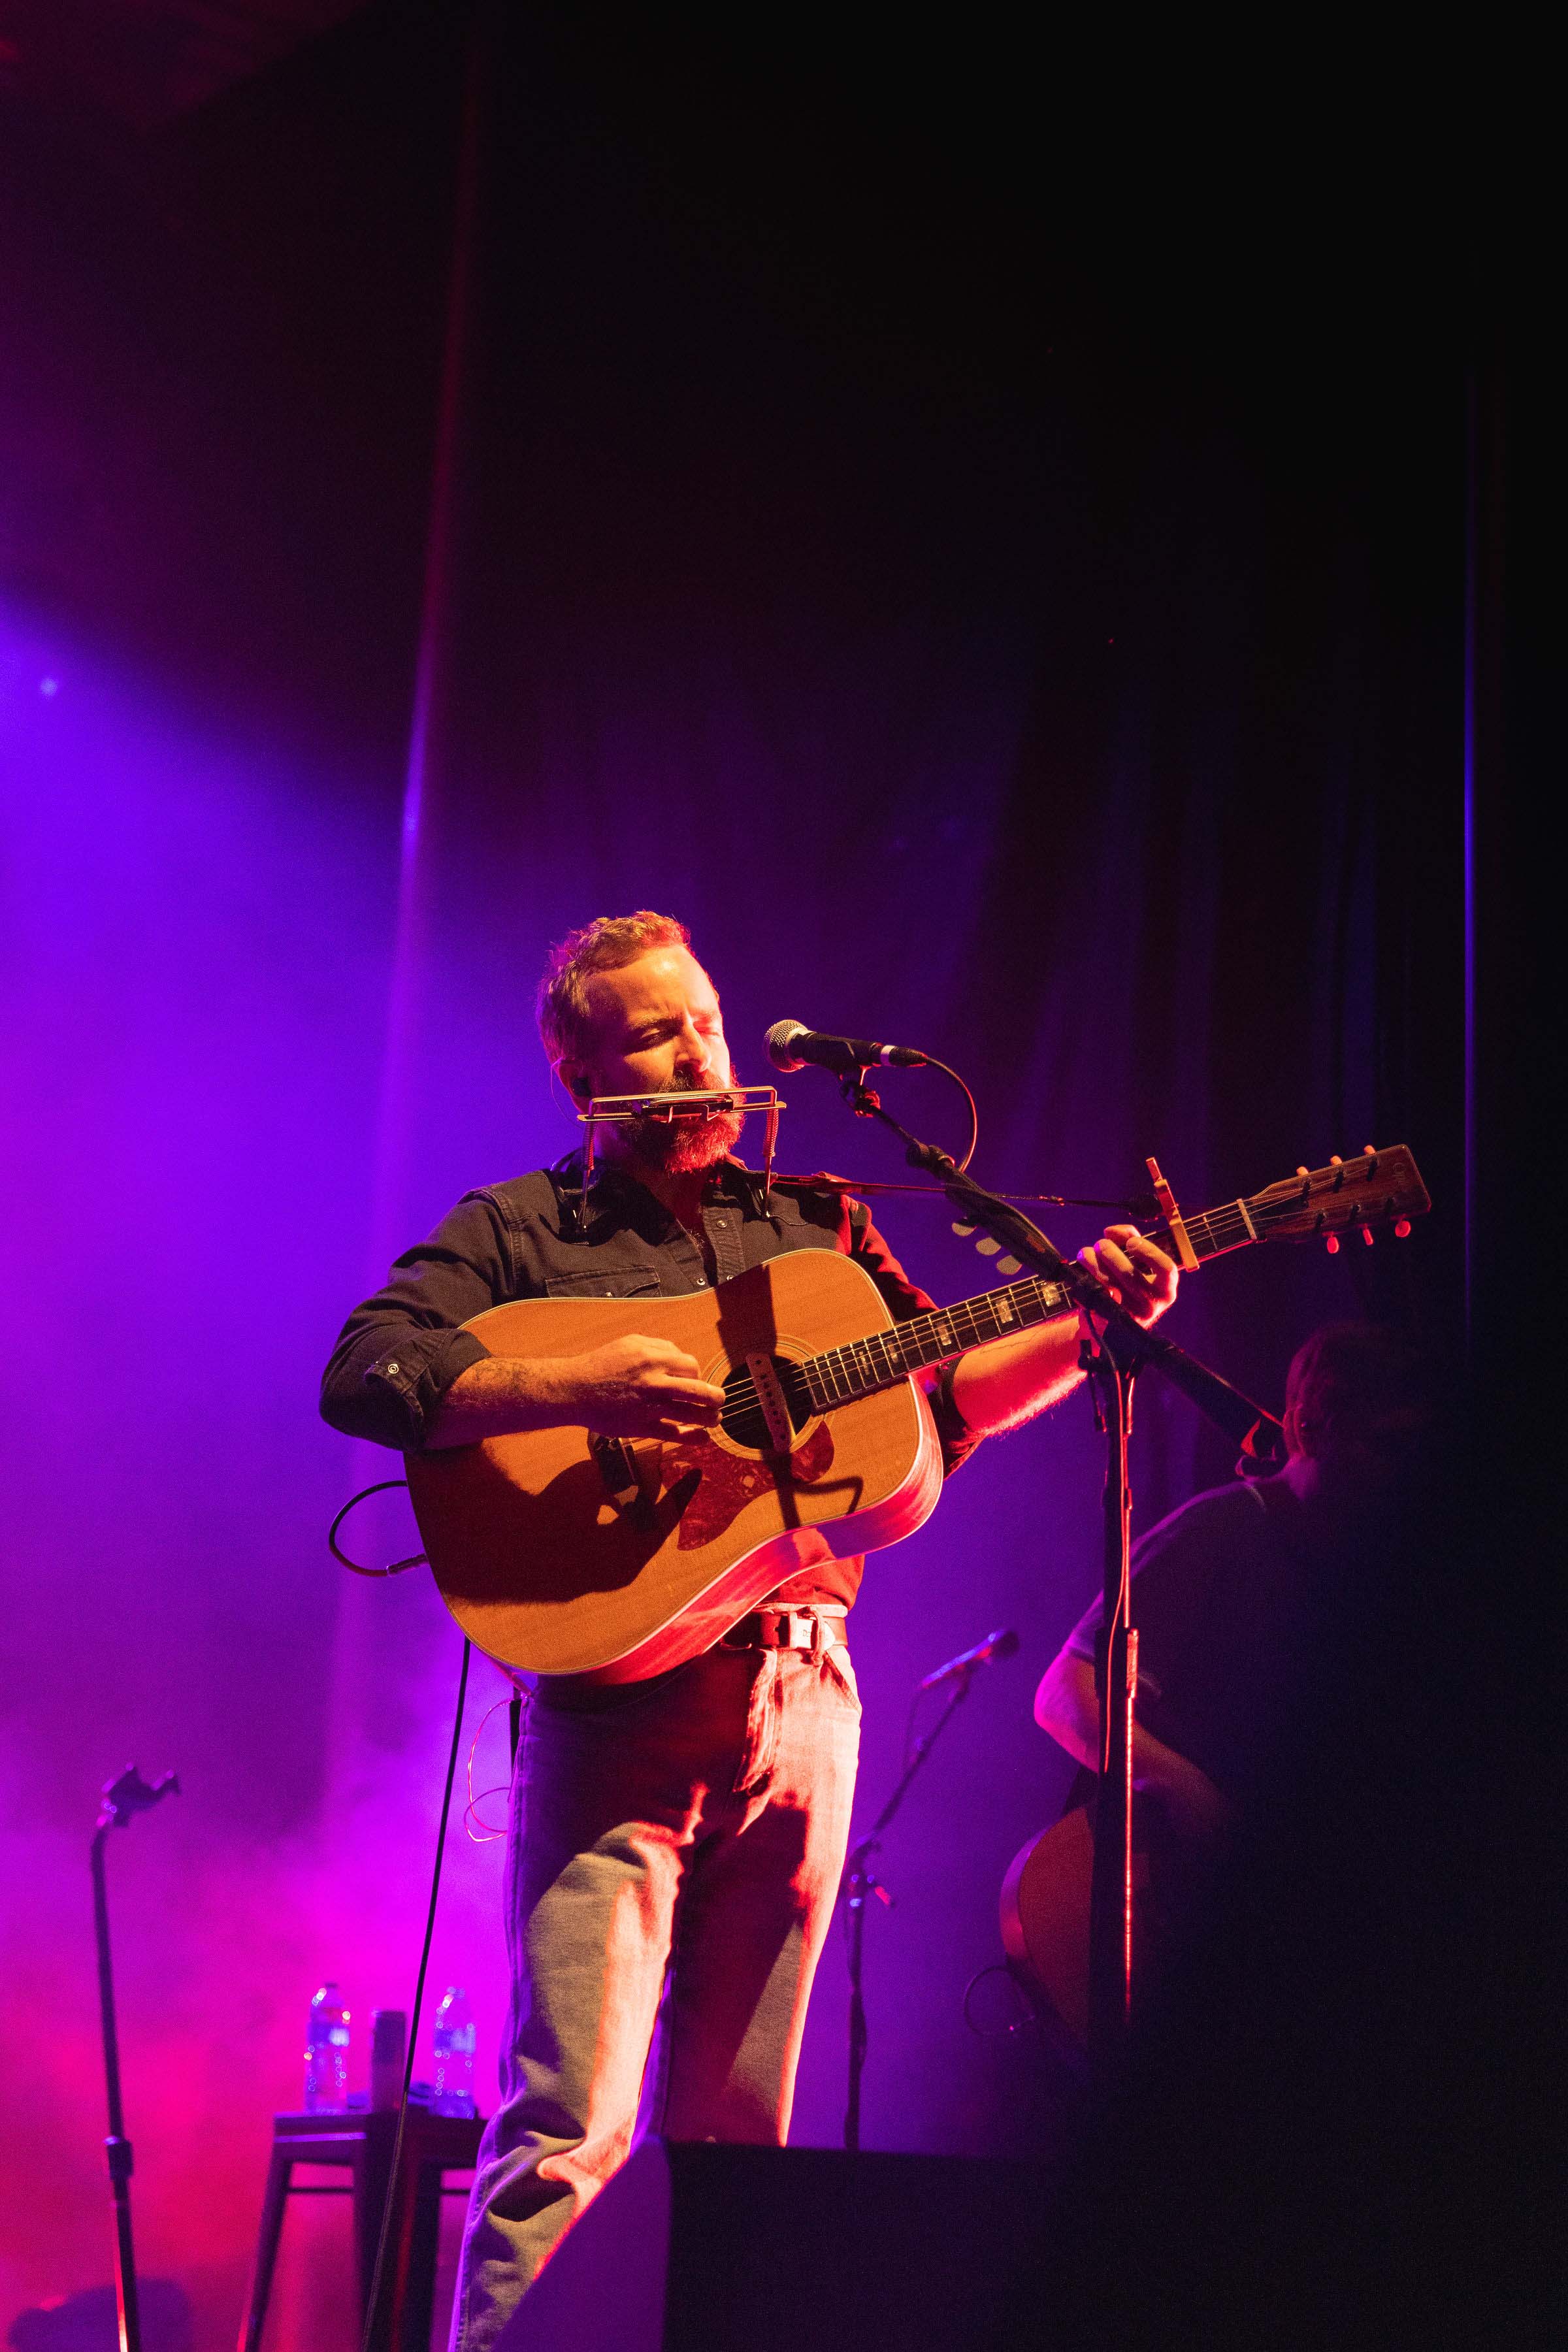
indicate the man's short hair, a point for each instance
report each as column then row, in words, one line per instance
column 1354, row 1373
column 562, row 1008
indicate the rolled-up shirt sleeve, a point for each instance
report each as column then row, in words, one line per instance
column 401, row 1350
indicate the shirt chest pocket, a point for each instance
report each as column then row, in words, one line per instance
column 605, row 1282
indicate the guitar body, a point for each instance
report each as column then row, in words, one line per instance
column 1045, row 1911
column 546, row 1568
column 1046, row 1904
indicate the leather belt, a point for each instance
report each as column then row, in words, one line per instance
column 818, row 1626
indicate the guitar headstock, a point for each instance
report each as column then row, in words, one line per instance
column 1378, row 1191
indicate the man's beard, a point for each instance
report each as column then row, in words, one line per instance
column 678, row 1147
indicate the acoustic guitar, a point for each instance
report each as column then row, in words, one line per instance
column 562, row 1552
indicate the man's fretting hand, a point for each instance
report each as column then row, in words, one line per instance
column 1142, row 1278
column 637, row 1388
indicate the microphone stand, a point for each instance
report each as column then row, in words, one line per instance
column 122, row 1800
column 859, row 1884
column 1113, row 1362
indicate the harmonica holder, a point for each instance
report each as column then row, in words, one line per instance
column 627, row 1111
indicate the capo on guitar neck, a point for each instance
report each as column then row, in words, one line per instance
column 1186, row 1256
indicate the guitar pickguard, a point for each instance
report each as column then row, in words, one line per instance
column 727, row 1482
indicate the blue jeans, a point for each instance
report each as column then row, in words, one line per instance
column 680, row 1842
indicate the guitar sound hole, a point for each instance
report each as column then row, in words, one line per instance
column 741, row 1419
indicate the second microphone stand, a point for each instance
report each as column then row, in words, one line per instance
column 859, row 1885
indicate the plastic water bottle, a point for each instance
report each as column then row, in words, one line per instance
column 454, row 2043
column 327, row 2053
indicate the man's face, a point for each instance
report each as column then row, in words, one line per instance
column 658, row 1029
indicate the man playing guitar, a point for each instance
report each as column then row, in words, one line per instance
column 675, row 1841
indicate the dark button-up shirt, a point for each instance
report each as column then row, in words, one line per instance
column 400, row 1351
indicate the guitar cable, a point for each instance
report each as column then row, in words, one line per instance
column 395, row 1568
column 376, row 2276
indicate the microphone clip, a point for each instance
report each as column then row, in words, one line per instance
column 862, row 1099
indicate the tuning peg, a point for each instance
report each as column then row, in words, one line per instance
column 1402, row 1230
column 988, row 1246
column 1331, row 1243
column 1336, row 1159
column 964, row 1232
column 1368, row 1236
column 1303, row 1169
column 1008, row 1266
column 1369, row 1150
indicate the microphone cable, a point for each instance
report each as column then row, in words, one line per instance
column 932, row 1064
column 376, row 2274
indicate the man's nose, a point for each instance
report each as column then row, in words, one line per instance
column 697, row 1053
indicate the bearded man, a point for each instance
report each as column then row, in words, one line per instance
column 675, row 1842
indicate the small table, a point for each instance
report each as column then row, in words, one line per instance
column 433, row 2145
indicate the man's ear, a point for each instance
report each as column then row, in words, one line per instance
column 575, row 1077
column 1303, row 1435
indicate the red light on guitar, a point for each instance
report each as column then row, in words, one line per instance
column 1331, row 1243
column 1402, row 1230
column 1367, row 1235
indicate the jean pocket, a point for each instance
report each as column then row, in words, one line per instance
column 840, row 1667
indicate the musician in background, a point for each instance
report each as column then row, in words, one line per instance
column 703, row 1812
column 1233, row 1593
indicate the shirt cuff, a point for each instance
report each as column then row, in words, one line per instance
column 410, row 1377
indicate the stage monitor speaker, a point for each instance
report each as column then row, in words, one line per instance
column 698, row 2248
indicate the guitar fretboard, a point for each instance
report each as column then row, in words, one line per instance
column 840, row 1374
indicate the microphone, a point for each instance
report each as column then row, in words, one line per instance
column 791, row 1045
column 1000, row 1645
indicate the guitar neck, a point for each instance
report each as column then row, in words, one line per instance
column 840, row 1374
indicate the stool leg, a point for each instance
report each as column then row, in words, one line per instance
column 419, row 2289
column 395, row 2311
column 278, row 2172
column 372, row 2163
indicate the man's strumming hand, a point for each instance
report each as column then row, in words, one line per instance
column 632, row 1388
column 636, row 1388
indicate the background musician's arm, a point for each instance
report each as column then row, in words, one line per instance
column 1068, row 1706
column 1007, row 1381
